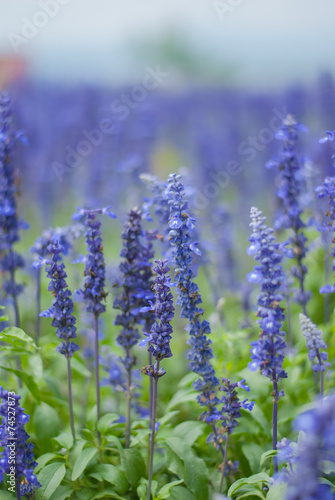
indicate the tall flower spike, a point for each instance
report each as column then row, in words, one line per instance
column 189, row 298
column 93, row 291
column 14, row 436
column 10, row 261
column 314, row 346
column 159, row 340
column 291, row 178
column 230, row 413
column 163, row 311
column 306, row 481
column 327, row 190
column 136, row 269
column 267, row 353
column 61, row 313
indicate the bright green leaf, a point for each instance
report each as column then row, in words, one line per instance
column 50, row 478
column 65, row 440
column 82, row 462
column 134, row 466
column 105, row 422
column 189, row 431
column 111, row 474
column 164, row 492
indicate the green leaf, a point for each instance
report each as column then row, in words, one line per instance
column 164, row 492
column 65, row 440
column 107, row 493
column 189, row 431
column 6, row 495
column 194, row 473
column 266, row 456
column 82, row 462
column 13, row 334
column 46, row 424
column 182, row 396
column 259, row 478
column 44, row 459
column 276, row 492
column 28, row 380
column 252, row 453
column 61, row 493
column 167, row 417
column 114, row 440
column 141, row 437
column 180, row 493
column 50, row 478
column 111, row 474
column 258, row 415
column 79, row 367
column 133, row 465
column 252, row 494
column 106, row 421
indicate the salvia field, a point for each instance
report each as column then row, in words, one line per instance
column 167, row 293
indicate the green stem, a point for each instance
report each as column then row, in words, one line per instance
column 224, row 462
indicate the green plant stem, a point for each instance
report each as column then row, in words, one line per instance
column 128, row 407
column 224, row 462
column 38, row 306
column 153, row 424
column 275, row 424
column 97, row 381
column 69, row 387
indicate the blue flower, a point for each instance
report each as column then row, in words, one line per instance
column 267, row 353
column 61, row 310
column 163, row 311
column 314, row 344
column 93, row 291
column 136, row 269
column 317, row 443
column 181, row 225
column 291, row 186
column 10, row 429
column 10, row 224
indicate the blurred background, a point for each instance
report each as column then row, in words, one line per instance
column 255, row 43
column 106, row 91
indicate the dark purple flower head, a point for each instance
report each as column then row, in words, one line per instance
column 93, row 291
column 314, row 344
column 12, row 432
column 267, row 353
column 163, row 311
column 136, row 283
column 61, row 310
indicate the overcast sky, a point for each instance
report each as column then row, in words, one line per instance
column 267, row 42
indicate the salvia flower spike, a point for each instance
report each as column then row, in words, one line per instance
column 10, row 224
column 136, row 270
column 181, row 225
column 291, row 187
column 315, row 345
column 93, row 291
column 159, row 340
column 267, row 353
column 61, row 312
column 230, row 413
column 12, row 432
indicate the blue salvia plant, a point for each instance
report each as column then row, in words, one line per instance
column 17, row 456
column 40, row 249
column 61, row 313
column 181, row 226
column 315, row 344
column 159, row 339
column 306, row 481
column 10, row 225
column 267, row 353
column 291, row 185
column 136, row 272
column 230, row 413
column 93, row 291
